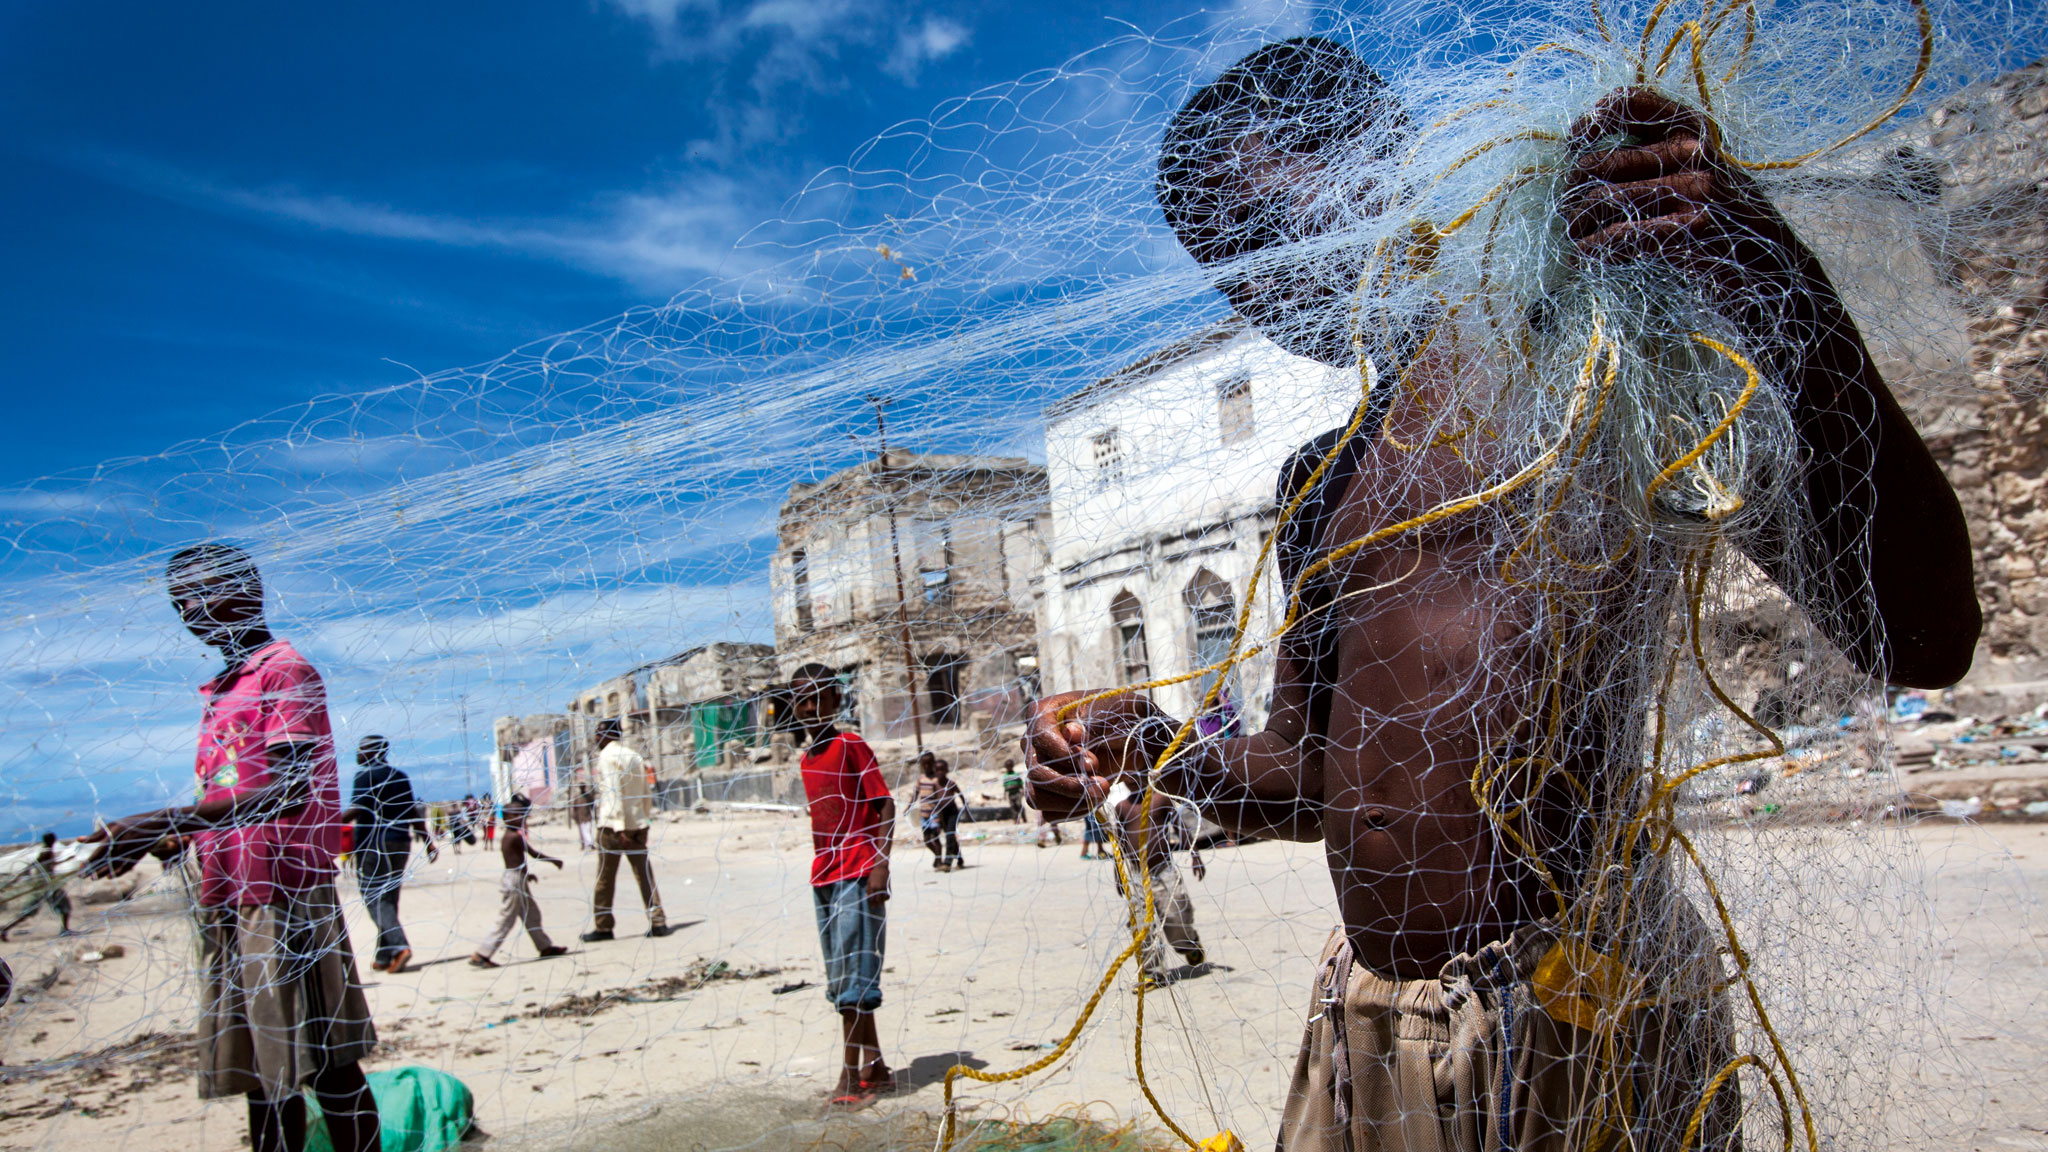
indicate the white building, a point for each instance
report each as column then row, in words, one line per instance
column 1162, row 482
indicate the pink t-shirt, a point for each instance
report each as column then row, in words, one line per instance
column 274, row 698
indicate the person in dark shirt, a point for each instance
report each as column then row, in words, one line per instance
column 386, row 817
column 52, row 898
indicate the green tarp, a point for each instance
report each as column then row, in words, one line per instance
column 419, row 1109
column 712, row 725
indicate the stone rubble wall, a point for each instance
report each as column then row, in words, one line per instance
column 1994, row 251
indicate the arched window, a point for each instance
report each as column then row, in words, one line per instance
column 942, row 686
column 1212, row 618
column 1134, row 662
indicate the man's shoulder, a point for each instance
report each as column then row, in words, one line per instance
column 279, row 662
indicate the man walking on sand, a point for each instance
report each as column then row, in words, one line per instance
column 387, row 817
column 853, row 827
column 625, row 802
column 1420, row 661
column 52, row 896
column 280, row 1008
column 517, row 905
column 1173, row 913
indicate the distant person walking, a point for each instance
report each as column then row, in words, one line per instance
column 1173, row 914
column 853, row 826
column 517, row 906
column 938, row 806
column 583, row 813
column 625, row 802
column 462, row 823
column 280, row 1008
column 386, row 815
column 490, row 814
column 51, row 897
column 1013, row 791
column 1092, row 836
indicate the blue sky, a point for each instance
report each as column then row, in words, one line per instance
column 218, row 209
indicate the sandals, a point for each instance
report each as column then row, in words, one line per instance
column 479, row 960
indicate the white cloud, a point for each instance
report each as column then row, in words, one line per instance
column 786, row 45
column 652, row 240
column 934, row 38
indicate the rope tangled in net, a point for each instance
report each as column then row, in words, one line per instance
column 1577, row 977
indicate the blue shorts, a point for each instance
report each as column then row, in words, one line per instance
column 852, row 930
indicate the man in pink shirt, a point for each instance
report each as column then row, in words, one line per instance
column 853, row 824
column 281, row 1008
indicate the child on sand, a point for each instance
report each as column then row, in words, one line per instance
column 519, row 907
column 853, row 822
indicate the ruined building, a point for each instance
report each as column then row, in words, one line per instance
column 1992, row 437
column 684, row 714
column 915, row 575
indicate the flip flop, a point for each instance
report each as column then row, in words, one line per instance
column 476, row 961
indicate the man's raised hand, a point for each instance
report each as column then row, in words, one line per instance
column 1646, row 182
column 1071, row 762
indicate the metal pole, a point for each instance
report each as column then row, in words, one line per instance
column 468, row 780
column 896, row 561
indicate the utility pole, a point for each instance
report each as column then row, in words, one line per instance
column 896, row 561
column 468, row 780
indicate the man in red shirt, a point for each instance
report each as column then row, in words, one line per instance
column 282, row 1009
column 853, row 824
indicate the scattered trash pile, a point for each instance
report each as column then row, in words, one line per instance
column 1964, row 767
column 1926, row 762
column 697, row 975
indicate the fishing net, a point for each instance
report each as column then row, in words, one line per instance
column 1588, row 718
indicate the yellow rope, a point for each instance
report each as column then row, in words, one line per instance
column 1920, row 70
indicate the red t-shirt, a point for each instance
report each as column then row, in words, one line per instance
column 844, row 785
column 274, row 698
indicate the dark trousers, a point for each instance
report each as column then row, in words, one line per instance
column 944, row 823
column 632, row 846
column 380, row 873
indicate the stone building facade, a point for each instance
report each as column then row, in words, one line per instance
column 1162, row 482
column 683, row 714
column 1992, row 248
column 961, row 537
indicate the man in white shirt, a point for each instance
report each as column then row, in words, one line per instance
column 625, row 801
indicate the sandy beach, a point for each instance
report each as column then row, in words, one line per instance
column 719, row 1033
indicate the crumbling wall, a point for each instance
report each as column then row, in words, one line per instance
column 1994, row 441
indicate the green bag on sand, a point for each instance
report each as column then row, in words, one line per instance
column 418, row 1109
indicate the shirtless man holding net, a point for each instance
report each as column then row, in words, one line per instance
column 1499, row 986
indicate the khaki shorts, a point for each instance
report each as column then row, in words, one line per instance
column 1424, row 1065
column 279, row 998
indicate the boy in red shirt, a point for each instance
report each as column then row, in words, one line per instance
column 282, row 1009
column 853, row 823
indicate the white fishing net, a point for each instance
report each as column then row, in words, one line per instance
column 1579, row 668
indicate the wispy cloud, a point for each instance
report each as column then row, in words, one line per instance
column 767, row 53
column 932, row 39
column 652, row 240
